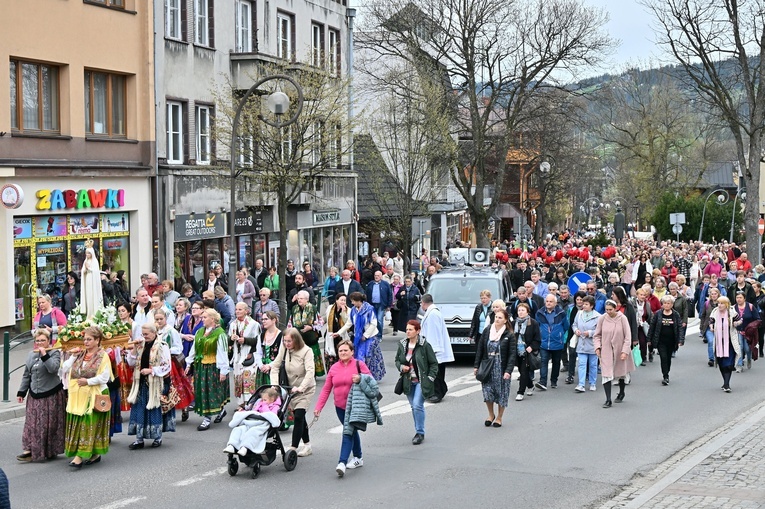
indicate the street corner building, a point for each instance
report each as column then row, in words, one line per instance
column 77, row 145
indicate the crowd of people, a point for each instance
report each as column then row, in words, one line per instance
column 192, row 352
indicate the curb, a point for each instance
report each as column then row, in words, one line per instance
column 12, row 412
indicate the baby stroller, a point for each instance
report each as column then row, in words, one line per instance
column 273, row 440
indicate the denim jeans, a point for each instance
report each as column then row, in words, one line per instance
column 380, row 312
column 417, row 403
column 350, row 442
column 588, row 364
column 710, row 336
column 546, row 355
column 745, row 350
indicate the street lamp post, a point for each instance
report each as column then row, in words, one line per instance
column 278, row 103
column 722, row 198
column 741, row 192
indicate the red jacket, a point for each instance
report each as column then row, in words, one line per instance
column 654, row 302
column 670, row 274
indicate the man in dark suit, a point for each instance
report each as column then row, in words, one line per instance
column 380, row 295
column 520, row 274
column 259, row 273
column 347, row 284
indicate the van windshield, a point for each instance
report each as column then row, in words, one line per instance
column 462, row 290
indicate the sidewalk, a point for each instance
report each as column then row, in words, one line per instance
column 12, row 410
column 724, row 470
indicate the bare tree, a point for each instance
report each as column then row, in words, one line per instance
column 291, row 160
column 720, row 45
column 497, row 54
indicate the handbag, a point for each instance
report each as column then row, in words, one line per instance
column 311, row 337
column 168, row 402
column 574, row 341
column 102, row 403
column 379, row 394
column 483, row 374
column 636, row 355
column 533, row 361
column 399, row 389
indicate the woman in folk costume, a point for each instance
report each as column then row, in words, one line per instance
column 365, row 343
column 88, row 371
column 151, row 360
column 178, row 377
column 338, row 325
column 244, row 334
column 209, row 356
column 91, row 295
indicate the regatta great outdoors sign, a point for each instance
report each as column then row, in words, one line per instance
column 199, row 226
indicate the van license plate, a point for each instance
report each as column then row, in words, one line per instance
column 460, row 340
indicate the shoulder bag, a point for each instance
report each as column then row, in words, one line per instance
column 102, row 403
column 483, row 374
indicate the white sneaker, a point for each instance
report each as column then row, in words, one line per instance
column 593, row 388
column 305, row 451
column 340, row 470
column 242, row 452
column 355, row 462
column 530, row 391
column 579, row 388
column 229, row 449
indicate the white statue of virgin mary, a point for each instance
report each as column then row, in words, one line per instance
column 91, row 295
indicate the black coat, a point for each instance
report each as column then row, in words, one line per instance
column 476, row 321
column 408, row 304
column 654, row 332
column 533, row 336
column 507, row 349
column 518, row 277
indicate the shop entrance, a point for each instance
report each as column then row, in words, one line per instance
column 23, row 289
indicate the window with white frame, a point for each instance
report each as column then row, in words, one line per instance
column 175, row 132
column 202, row 22
column 284, row 35
column 317, row 44
column 286, row 144
column 173, row 19
column 203, row 134
column 333, row 56
column 333, row 147
column 243, row 26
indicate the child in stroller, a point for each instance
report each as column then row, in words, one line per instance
column 255, row 439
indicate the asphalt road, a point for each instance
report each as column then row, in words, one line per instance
column 555, row 449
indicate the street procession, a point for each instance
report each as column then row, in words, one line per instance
column 418, row 249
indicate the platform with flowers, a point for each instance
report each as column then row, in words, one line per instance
column 116, row 333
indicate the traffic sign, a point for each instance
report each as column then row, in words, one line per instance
column 576, row 279
column 677, row 229
column 761, row 226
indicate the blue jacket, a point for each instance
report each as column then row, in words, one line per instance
column 386, row 293
column 600, row 302
column 553, row 327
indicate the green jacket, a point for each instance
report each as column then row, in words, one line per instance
column 427, row 365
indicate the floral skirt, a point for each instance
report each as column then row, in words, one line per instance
column 125, row 374
column 374, row 360
column 44, row 426
column 150, row 424
column 87, row 435
column 182, row 384
column 245, row 383
column 317, row 360
column 211, row 394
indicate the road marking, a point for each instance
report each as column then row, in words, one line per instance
column 201, row 477
column 122, row 503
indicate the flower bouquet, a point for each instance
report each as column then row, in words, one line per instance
column 116, row 333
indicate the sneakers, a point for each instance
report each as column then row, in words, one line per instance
column 418, row 439
column 569, row 380
column 665, row 381
column 554, row 385
column 229, row 449
column 305, row 451
column 749, row 364
column 710, row 363
column 579, row 388
column 530, row 391
column 726, row 389
column 340, row 469
column 242, row 452
column 593, row 388
column 739, row 369
column 354, row 462
column 519, row 397
column 540, row 386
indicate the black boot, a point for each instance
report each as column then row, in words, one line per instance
column 620, row 396
column 607, row 389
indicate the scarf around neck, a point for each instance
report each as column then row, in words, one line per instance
column 156, row 383
column 520, row 326
column 722, row 332
column 361, row 318
column 494, row 334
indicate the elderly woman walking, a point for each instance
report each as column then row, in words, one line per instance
column 43, row 436
column 613, row 340
column 304, row 319
column 150, row 359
